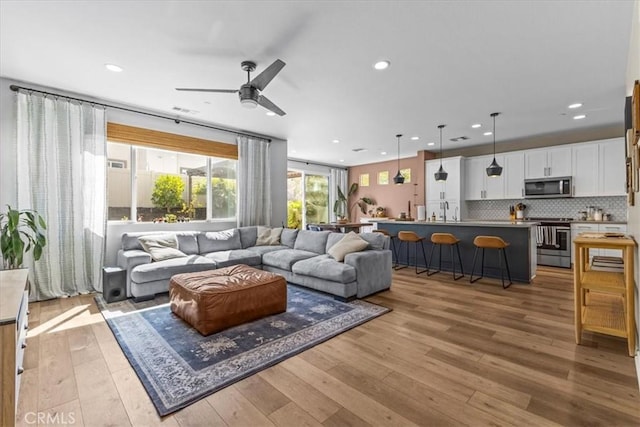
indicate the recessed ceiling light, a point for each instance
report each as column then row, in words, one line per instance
column 431, row 143
column 415, row 138
column 113, row 67
column 341, row 160
column 488, row 133
column 293, row 151
column 579, row 117
column 270, row 113
column 381, row 65
column 336, row 141
column 476, row 126
column 384, row 153
column 576, row 105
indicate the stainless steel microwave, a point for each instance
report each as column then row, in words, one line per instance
column 548, row 188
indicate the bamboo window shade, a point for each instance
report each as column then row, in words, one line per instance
column 170, row 141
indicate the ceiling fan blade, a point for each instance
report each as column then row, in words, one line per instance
column 187, row 89
column 262, row 80
column 264, row 101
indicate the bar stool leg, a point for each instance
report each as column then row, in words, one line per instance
column 506, row 263
column 429, row 273
column 473, row 268
column 394, row 254
column 398, row 265
column 500, row 267
column 424, row 255
column 460, row 260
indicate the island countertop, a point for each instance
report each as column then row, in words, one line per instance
column 467, row 223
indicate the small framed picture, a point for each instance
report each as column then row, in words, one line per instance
column 383, row 178
column 364, row 180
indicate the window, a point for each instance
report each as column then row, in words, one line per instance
column 169, row 185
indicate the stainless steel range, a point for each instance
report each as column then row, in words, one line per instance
column 553, row 240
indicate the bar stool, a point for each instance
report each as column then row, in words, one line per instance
column 490, row 242
column 394, row 252
column 450, row 240
column 411, row 237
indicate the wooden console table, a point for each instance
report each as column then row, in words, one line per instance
column 339, row 227
column 604, row 300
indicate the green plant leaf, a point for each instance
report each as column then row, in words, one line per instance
column 353, row 188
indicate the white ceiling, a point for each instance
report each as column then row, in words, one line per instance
column 452, row 62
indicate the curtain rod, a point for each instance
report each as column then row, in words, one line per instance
column 16, row 88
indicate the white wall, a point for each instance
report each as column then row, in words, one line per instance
column 633, row 213
column 9, row 170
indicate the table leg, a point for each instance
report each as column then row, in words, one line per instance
column 577, row 293
column 630, row 320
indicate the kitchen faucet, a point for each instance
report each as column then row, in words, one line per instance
column 455, row 215
column 445, row 206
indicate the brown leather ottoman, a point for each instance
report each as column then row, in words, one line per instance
column 214, row 300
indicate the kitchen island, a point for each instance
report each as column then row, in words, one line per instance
column 521, row 253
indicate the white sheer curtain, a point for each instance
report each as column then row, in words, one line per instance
column 62, row 175
column 338, row 179
column 254, row 186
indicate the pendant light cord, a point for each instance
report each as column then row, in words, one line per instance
column 494, row 134
column 398, row 136
column 441, row 127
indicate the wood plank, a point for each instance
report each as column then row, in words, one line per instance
column 100, row 401
column 261, row 394
column 345, row 418
column 304, row 395
column 352, row 399
column 237, row 410
column 507, row 412
column 57, row 383
column 292, row 415
column 199, row 414
column 83, row 345
column 136, row 401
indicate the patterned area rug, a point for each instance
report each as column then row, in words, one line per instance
column 178, row 366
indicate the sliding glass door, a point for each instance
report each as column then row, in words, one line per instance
column 307, row 198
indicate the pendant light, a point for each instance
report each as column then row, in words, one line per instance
column 441, row 175
column 398, row 179
column 494, row 170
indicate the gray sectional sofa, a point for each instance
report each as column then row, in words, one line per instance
column 301, row 257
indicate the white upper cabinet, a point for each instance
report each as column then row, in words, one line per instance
column 451, row 189
column 547, row 162
column 513, row 174
column 478, row 185
column 599, row 168
column 585, row 170
column 612, row 167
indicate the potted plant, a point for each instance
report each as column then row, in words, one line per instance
column 21, row 231
column 340, row 206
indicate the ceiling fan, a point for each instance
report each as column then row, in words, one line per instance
column 250, row 91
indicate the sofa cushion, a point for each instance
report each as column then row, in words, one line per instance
column 161, row 246
column 312, row 241
column 285, row 258
column 248, row 236
column 163, row 270
column 325, row 267
column 350, row 243
column 213, row 241
column 333, row 239
column 376, row 240
column 187, row 240
column 288, row 237
column 268, row 236
column 261, row 250
column 234, row 257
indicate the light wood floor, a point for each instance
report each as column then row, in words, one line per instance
column 449, row 353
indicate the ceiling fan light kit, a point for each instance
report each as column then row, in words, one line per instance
column 398, row 179
column 494, row 170
column 441, row 175
column 249, row 93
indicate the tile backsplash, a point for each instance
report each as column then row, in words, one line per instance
column 552, row 208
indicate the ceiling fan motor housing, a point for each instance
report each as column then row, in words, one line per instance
column 248, row 95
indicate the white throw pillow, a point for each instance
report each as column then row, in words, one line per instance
column 161, row 246
column 348, row 244
column 268, row 236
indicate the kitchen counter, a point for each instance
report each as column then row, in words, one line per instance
column 521, row 253
column 599, row 222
